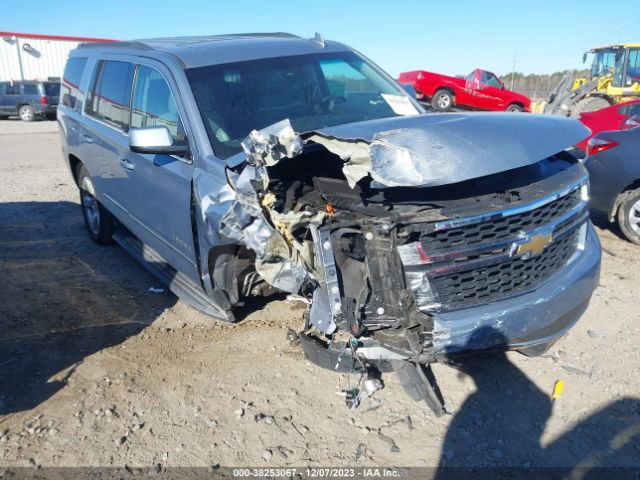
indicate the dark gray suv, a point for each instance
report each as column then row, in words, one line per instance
column 244, row 165
column 29, row 100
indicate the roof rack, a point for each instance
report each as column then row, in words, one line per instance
column 132, row 45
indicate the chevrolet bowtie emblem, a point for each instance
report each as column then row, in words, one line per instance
column 535, row 245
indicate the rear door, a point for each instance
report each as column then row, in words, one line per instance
column 103, row 134
column 31, row 93
column 158, row 192
column 51, row 90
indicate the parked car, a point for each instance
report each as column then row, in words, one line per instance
column 242, row 165
column 29, row 100
column 613, row 161
column 609, row 118
column 480, row 90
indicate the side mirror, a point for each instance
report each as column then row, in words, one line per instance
column 155, row 140
column 407, row 87
column 584, row 57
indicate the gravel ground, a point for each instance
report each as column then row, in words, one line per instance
column 97, row 370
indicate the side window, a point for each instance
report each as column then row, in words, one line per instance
column 30, row 89
column 154, row 104
column 629, row 109
column 12, row 89
column 111, row 93
column 633, row 70
column 490, row 79
column 70, row 88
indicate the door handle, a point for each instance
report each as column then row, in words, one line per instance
column 86, row 138
column 127, row 164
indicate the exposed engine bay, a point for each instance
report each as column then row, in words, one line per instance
column 381, row 231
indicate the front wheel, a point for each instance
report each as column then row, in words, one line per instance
column 26, row 113
column 96, row 218
column 442, row 101
column 515, row 108
column 589, row 104
column 629, row 216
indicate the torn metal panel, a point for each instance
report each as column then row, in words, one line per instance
column 432, row 150
column 355, row 154
column 273, row 143
column 327, row 294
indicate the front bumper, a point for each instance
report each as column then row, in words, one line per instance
column 526, row 320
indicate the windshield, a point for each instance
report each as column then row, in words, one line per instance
column 312, row 91
column 51, row 89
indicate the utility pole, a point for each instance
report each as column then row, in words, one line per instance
column 513, row 70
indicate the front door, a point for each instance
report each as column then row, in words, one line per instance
column 9, row 101
column 491, row 92
column 158, row 192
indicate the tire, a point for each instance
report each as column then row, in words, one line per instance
column 3, row 117
column 442, row 101
column 629, row 216
column 97, row 219
column 589, row 104
column 51, row 116
column 26, row 113
column 515, row 108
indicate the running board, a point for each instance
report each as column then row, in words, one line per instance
column 176, row 281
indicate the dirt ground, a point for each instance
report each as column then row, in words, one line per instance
column 95, row 369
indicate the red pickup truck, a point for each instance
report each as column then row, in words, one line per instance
column 480, row 90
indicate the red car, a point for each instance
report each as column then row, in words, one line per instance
column 480, row 90
column 608, row 118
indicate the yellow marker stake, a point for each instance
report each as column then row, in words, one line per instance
column 557, row 390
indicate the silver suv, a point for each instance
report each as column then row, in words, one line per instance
column 245, row 165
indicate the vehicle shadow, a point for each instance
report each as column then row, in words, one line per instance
column 62, row 298
column 500, row 426
column 600, row 220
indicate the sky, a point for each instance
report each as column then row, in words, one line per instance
column 447, row 37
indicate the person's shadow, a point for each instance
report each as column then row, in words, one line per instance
column 499, row 428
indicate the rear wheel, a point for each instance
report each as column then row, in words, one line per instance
column 629, row 216
column 514, row 107
column 442, row 101
column 96, row 218
column 26, row 113
column 589, row 104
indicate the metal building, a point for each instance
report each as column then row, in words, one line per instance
column 27, row 56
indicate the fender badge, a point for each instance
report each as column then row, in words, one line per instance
column 535, row 245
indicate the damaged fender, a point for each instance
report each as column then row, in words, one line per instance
column 348, row 263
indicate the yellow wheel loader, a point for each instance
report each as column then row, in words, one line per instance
column 614, row 78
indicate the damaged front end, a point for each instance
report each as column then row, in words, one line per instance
column 387, row 227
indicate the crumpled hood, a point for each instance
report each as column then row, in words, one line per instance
column 439, row 149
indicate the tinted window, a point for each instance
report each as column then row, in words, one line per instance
column 51, row 89
column 71, row 80
column 154, row 104
column 30, row 89
column 12, row 89
column 629, row 109
column 633, row 71
column 110, row 97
